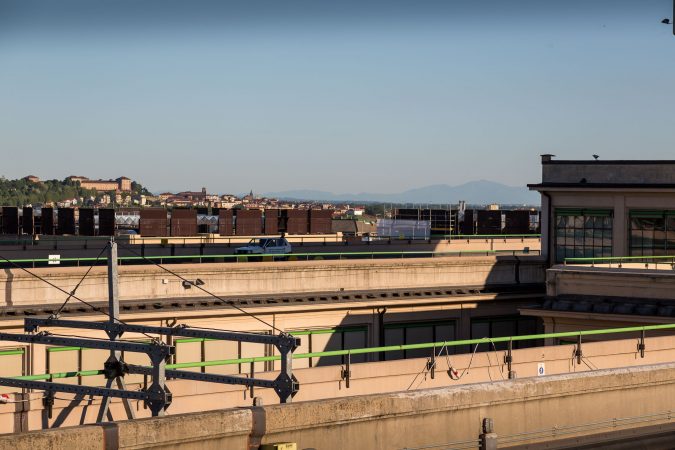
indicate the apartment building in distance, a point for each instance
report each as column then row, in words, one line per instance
column 121, row 184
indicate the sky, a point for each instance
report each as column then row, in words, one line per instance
column 348, row 96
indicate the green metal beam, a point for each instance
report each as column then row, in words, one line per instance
column 360, row 351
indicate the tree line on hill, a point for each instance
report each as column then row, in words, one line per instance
column 23, row 192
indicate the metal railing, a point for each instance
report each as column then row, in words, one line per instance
column 35, row 262
column 391, row 348
column 57, row 242
column 487, row 236
column 618, row 261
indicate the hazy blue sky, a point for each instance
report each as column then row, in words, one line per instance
column 342, row 96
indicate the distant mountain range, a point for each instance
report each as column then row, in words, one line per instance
column 474, row 192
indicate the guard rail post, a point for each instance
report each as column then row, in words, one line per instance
column 488, row 438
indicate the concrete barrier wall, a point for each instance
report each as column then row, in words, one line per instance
column 320, row 383
column 148, row 282
column 630, row 281
column 395, row 420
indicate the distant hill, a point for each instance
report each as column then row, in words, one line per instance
column 473, row 192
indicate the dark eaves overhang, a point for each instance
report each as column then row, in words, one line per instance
column 609, row 162
column 641, row 186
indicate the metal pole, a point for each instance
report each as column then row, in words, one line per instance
column 114, row 361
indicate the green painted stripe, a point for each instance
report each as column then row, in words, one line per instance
column 12, row 352
column 327, row 331
column 62, row 349
column 189, row 340
column 359, row 351
column 346, row 255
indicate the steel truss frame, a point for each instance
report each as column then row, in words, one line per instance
column 285, row 385
column 157, row 396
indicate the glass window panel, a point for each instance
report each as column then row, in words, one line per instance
column 659, row 224
column 569, row 252
column 419, row 335
column 527, row 326
column 356, row 339
column 599, row 222
column 659, row 252
column 660, row 239
column 445, row 332
column 578, row 252
column 589, row 222
column 578, row 237
column 480, row 329
column 578, row 221
column 560, row 253
column 393, row 336
column 607, row 222
column 588, row 236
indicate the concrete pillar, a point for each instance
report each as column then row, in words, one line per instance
column 620, row 227
column 546, row 241
column 488, row 441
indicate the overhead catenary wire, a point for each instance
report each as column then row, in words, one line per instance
column 71, row 294
column 95, row 308
column 226, row 302
column 454, row 375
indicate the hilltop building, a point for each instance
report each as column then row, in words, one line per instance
column 121, row 184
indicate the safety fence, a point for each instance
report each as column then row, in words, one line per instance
column 225, row 258
column 434, row 346
column 649, row 262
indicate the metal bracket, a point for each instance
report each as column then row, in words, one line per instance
column 641, row 345
column 346, row 373
column 577, row 351
column 48, row 403
column 508, row 360
column 114, row 368
column 431, row 363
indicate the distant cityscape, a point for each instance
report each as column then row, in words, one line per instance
column 122, row 192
